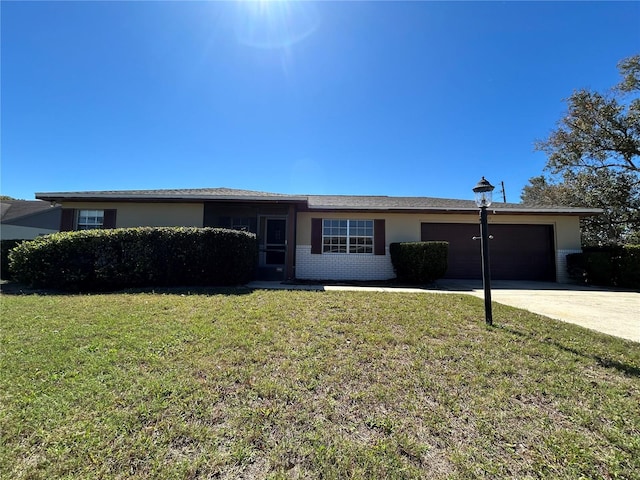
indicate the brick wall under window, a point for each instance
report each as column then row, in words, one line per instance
column 342, row 267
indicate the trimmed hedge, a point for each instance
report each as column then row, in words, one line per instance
column 5, row 247
column 419, row 262
column 133, row 257
column 617, row 266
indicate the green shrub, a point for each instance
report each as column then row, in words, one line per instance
column 601, row 268
column 131, row 257
column 629, row 273
column 608, row 266
column 5, row 247
column 576, row 267
column 419, row 262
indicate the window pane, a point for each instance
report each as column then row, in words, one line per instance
column 347, row 236
column 88, row 219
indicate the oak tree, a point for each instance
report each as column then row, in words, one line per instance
column 593, row 159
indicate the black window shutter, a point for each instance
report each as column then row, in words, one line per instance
column 316, row 235
column 379, row 239
column 67, row 219
column 109, row 218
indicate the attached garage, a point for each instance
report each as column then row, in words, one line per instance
column 517, row 251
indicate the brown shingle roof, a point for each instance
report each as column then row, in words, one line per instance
column 430, row 204
column 311, row 202
column 188, row 194
column 385, row 203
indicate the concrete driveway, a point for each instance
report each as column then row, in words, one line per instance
column 615, row 312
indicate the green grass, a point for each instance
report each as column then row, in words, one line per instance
column 318, row 385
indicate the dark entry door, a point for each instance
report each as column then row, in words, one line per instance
column 517, row 252
column 275, row 245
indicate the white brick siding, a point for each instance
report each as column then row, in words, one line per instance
column 561, row 265
column 373, row 267
column 342, row 266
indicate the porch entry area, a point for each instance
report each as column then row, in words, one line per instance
column 273, row 226
column 272, row 246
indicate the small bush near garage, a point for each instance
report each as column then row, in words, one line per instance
column 630, row 267
column 133, row 257
column 419, row 262
column 5, row 247
column 608, row 266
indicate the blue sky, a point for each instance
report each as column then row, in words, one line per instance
column 380, row 98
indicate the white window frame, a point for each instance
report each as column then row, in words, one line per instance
column 90, row 219
column 343, row 236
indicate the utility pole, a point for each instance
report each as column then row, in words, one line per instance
column 504, row 194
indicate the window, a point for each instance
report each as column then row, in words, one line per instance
column 90, row 219
column 73, row 219
column 347, row 236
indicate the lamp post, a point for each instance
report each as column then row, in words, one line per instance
column 483, row 199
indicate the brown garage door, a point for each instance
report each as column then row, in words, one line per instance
column 517, row 252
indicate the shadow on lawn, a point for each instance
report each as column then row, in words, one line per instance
column 13, row 288
column 603, row 361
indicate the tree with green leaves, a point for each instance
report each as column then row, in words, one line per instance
column 593, row 159
column 616, row 193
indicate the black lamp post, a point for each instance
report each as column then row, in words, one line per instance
column 483, row 199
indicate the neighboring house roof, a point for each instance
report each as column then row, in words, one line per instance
column 313, row 202
column 26, row 219
column 15, row 211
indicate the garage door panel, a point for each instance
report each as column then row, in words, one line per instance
column 517, row 252
column 464, row 259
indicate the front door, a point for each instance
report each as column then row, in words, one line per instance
column 275, row 241
column 273, row 249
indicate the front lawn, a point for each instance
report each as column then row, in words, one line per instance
column 318, row 385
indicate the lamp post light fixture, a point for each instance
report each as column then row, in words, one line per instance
column 483, row 191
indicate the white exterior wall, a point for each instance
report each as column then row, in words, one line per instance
column 406, row 228
column 340, row 266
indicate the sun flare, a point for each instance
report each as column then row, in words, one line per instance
column 272, row 24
